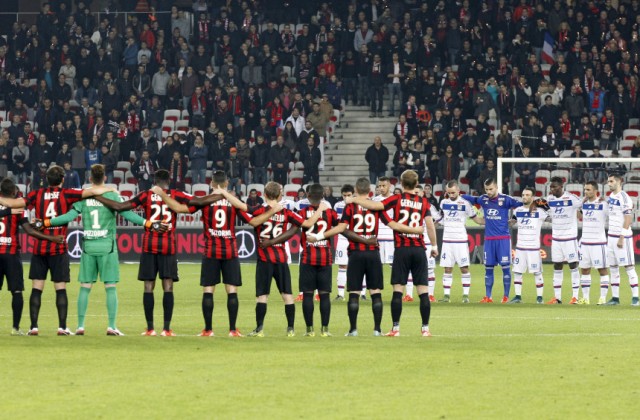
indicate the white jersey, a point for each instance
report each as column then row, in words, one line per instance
column 594, row 219
column 385, row 233
column 304, row 203
column 289, row 204
column 564, row 216
column 529, row 227
column 427, row 241
column 453, row 216
column 620, row 205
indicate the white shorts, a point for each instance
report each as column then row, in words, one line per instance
column 593, row 256
column 454, row 253
column 342, row 257
column 431, row 263
column 527, row 261
column 386, row 251
column 562, row 251
column 620, row 256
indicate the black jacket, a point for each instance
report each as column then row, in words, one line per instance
column 377, row 158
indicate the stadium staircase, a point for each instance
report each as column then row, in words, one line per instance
column 344, row 155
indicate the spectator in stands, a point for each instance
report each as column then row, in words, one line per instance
column 577, row 174
column 39, row 177
column 260, row 159
column 448, row 166
column 473, row 174
column 244, row 156
column 574, row 105
column 71, row 178
column 21, row 162
column 254, row 200
column 328, row 195
column 233, row 168
column 377, row 156
column 615, row 167
column 64, row 155
column 219, row 152
column 41, row 152
column 144, row 170
column 177, row 171
column 402, row 159
column 310, row 157
column 107, row 158
column 280, row 157
column 318, row 120
column 376, row 79
column 5, row 155
column 526, row 171
column 198, row 158
column 609, row 130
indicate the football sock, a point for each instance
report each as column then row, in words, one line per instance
column 62, row 303
column 604, row 286
column 34, row 306
column 290, row 312
column 148, row 301
column 425, row 309
column 352, row 309
column 167, row 306
column 17, row 303
column 615, row 282
column 575, row 282
column 517, row 283
column 325, row 309
column 409, row 287
column 633, row 280
column 307, row 308
column 447, row 280
column 396, row 308
column 539, row 283
column 506, row 279
column 466, row 283
column 585, row 284
column 207, row 310
column 232, row 308
column 112, row 306
column 431, row 282
column 488, row 280
column 342, row 281
column 261, row 311
column 557, row 284
column 376, row 308
column 83, row 303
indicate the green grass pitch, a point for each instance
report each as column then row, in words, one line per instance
column 484, row 361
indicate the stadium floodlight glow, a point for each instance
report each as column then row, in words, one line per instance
column 556, row 160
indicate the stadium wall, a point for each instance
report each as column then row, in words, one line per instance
column 190, row 244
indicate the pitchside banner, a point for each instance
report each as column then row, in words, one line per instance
column 190, row 244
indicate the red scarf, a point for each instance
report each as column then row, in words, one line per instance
column 566, row 129
column 195, row 100
column 236, row 103
column 411, row 111
column 122, row 134
column 133, row 123
column 596, row 100
column 203, row 30
column 175, row 172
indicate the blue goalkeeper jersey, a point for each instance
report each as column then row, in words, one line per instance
column 496, row 214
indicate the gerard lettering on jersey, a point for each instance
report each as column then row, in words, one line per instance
column 416, row 205
column 53, row 195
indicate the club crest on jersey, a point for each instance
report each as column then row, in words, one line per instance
column 501, row 201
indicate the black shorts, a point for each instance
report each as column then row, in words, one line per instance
column 158, row 265
column 57, row 264
column 364, row 263
column 11, row 268
column 409, row 260
column 315, row 277
column 212, row 268
column 265, row 271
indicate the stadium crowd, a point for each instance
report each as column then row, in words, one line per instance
column 254, row 82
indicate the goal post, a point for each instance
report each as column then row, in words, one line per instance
column 633, row 163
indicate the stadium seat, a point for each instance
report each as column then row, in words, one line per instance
column 129, row 178
column 3, row 115
column 298, row 166
column 437, row 190
column 291, row 190
column 630, row 134
column 576, row 189
column 258, row 187
column 187, row 188
column 184, row 115
column 22, row 188
column 127, row 190
column 172, row 114
column 182, row 126
column 634, row 123
column 118, row 176
column 200, row 190
column 124, row 165
column 632, row 189
column 295, row 177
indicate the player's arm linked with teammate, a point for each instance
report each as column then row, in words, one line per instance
column 124, row 206
column 379, row 206
column 238, row 204
column 341, row 228
column 21, row 202
column 285, row 236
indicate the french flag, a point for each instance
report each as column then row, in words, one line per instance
column 547, row 49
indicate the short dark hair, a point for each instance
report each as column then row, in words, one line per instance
column 219, row 177
column 533, row 192
column 315, row 192
column 556, row 180
column 363, row 186
column 616, row 175
column 55, row 176
column 452, row 183
column 594, row 184
column 489, row 181
column 97, row 173
column 347, row 188
column 383, row 179
column 8, row 187
column 162, row 176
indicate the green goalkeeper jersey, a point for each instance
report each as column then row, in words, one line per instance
column 98, row 223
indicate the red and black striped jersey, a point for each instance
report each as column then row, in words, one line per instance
column 318, row 253
column 364, row 223
column 157, row 210
column 49, row 203
column 219, row 223
column 9, row 237
column 409, row 210
column 273, row 228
